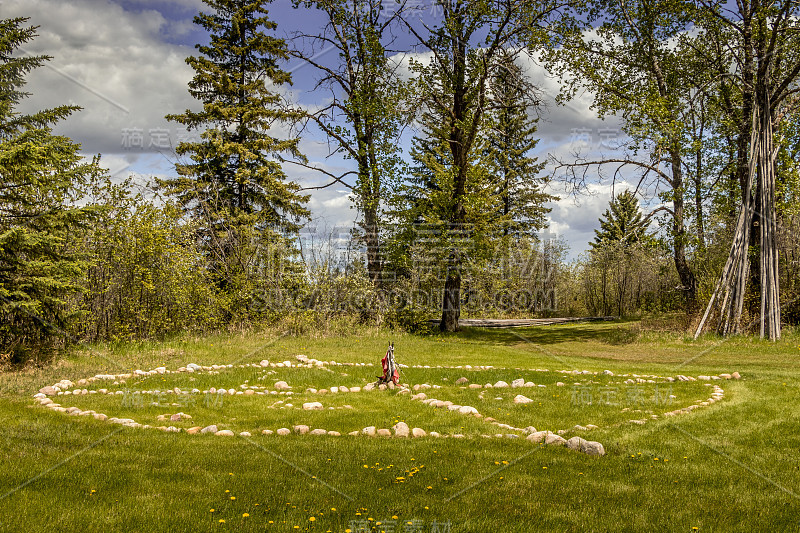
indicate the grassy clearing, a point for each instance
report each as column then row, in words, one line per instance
column 731, row 466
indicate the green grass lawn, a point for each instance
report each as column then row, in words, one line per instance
column 730, row 466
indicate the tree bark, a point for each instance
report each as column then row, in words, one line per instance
column 687, row 277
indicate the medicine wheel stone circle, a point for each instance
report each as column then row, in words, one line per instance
column 138, row 389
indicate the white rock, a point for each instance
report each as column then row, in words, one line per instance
column 519, row 382
column 556, row 440
column 593, row 448
column 301, row 429
column 283, row 431
column 225, row 433
column 267, row 432
column 312, row 405
column 369, row 431
column 500, row 385
column 245, row 434
column 401, row 429
column 383, row 433
column 467, row 410
column 462, row 381
column 418, row 432
column 575, row 443
column 519, row 398
column 318, row 432
column 282, row 385
column 537, row 436
column 434, row 434
column 209, row 429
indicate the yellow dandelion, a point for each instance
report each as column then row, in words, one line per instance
column 312, row 519
column 221, row 520
column 333, row 509
column 211, row 510
column 394, row 517
column 233, row 497
column 245, row 515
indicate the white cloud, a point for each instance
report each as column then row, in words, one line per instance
column 112, row 63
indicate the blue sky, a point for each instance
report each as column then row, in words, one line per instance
column 123, row 61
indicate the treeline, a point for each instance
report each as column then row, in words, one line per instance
column 706, row 93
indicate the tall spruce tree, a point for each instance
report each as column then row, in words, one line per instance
column 511, row 135
column 233, row 182
column 622, row 223
column 41, row 177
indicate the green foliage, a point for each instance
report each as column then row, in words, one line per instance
column 41, row 177
column 510, row 131
column 233, row 184
column 363, row 119
column 629, row 279
column 622, row 223
column 147, row 277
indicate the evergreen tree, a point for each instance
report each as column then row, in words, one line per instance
column 234, row 184
column 41, row 177
column 622, row 224
column 511, row 138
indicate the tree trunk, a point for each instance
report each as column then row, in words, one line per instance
column 688, row 281
column 451, row 304
column 371, row 239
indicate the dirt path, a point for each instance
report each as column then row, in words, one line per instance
column 523, row 322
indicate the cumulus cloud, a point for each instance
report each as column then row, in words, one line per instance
column 114, row 65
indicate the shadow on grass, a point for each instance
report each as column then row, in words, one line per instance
column 613, row 333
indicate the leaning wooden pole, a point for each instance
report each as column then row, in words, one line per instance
column 730, row 288
column 770, row 284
